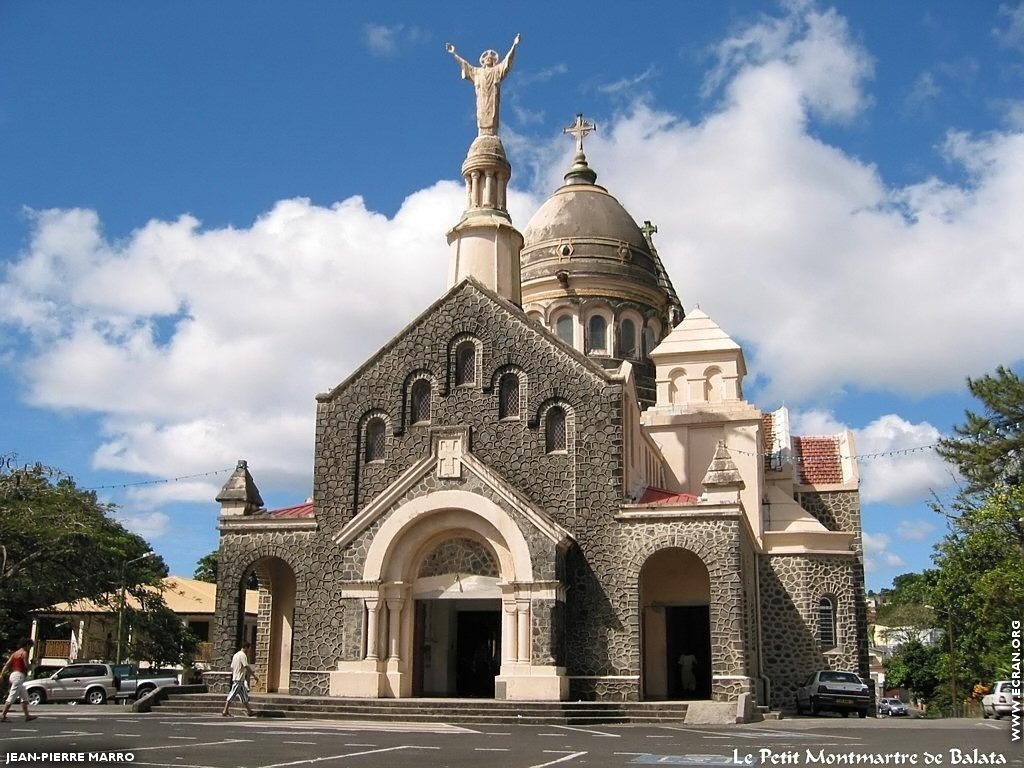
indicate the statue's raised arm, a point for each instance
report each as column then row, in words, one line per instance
column 486, row 80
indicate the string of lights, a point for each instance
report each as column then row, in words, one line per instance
column 796, row 458
column 162, row 481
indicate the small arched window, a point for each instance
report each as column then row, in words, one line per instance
column 827, row 623
column 554, row 430
column 508, row 396
column 374, row 439
column 563, row 328
column 465, row 364
column 627, row 338
column 420, row 406
column 650, row 339
column 598, row 334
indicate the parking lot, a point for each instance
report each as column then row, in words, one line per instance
column 216, row 742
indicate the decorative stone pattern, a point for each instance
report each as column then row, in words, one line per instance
column 791, row 588
column 595, row 633
column 459, row 555
column 836, row 510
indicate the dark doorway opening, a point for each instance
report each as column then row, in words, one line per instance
column 688, row 645
column 478, row 649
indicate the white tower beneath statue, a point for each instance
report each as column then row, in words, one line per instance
column 484, row 244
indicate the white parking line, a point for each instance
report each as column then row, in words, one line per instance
column 54, row 736
column 360, row 745
column 348, row 754
column 197, row 744
column 573, row 756
column 589, row 730
column 189, row 738
column 298, row 742
column 491, row 749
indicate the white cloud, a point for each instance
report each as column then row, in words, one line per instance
column 1011, row 35
column 148, row 525
column 914, row 530
column 201, row 346
column 628, row 84
column 382, row 40
column 877, row 555
column 895, row 468
column 924, row 91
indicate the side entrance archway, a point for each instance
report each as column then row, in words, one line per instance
column 274, row 624
column 675, row 599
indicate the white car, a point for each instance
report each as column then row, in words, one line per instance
column 827, row 689
column 1000, row 701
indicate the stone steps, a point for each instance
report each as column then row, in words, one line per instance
column 460, row 711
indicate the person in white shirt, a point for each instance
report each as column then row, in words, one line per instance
column 241, row 671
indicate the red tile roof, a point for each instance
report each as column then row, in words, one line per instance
column 818, row 460
column 659, row 496
column 299, row 510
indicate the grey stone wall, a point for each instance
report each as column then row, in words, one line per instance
column 459, row 555
column 791, row 588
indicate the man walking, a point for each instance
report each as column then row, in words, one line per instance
column 17, row 665
column 241, row 671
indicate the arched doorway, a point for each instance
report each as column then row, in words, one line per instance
column 457, row 625
column 272, row 647
column 675, row 600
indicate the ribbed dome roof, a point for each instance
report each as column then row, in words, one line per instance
column 582, row 212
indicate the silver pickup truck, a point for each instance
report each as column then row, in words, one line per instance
column 92, row 683
column 136, row 683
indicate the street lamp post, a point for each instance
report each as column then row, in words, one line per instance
column 120, row 608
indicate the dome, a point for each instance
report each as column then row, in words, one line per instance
column 583, row 212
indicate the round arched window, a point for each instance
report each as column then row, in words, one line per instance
column 597, row 329
column 375, row 439
column 420, row 405
column 627, row 338
column 563, row 328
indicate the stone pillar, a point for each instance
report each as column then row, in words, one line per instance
column 474, row 189
column 509, row 633
column 523, row 616
column 488, row 199
column 394, row 628
column 371, row 630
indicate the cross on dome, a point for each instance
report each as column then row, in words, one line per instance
column 579, row 129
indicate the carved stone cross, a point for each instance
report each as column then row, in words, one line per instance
column 449, row 457
column 579, row 129
column 648, row 229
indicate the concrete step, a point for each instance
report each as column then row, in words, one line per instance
column 478, row 711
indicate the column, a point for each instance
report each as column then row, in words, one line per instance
column 524, row 629
column 371, row 630
column 394, row 627
column 488, row 190
column 502, row 183
column 474, row 186
column 509, row 633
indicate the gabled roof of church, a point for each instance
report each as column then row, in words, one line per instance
column 514, row 310
column 296, row 510
column 818, row 460
column 659, row 496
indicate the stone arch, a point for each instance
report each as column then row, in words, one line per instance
column 726, row 603
column 714, row 385
column 279, row 585
column 678, row 387
column 406, row 530
column 675, row 603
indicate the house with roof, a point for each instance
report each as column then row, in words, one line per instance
column 86, row 630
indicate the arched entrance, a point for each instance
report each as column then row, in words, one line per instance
column 675, row 600
column 272, row 647
column 457, row 604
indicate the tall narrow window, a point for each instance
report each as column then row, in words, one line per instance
column 554, row 430
column 598, row 334
column 465, row 364
column 508, row 396
column 375, row 440
column 420, row 405
column 563, row 328
column 627, row 339
column 827, row 623
column 650, row 340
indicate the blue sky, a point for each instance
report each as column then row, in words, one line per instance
column 211, row 211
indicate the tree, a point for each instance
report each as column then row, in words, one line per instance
column 914, row 666
column 158, row 634
column 206, row 568
column 59, row 543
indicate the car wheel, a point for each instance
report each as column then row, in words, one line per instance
column 799, row 709
column 996, row 715
column 984, row 713
column 814, row 708
column 845, row 713
column 36, row 697
column 143, row 691
column 862, row 713
column 95, row 696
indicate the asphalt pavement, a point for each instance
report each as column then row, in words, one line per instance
column 104, row 735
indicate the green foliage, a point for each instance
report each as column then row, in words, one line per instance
column 59, row 543
column 988, row 449
column 158, row 634
column 206, row 568
column 914, row 666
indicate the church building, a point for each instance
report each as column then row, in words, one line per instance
column 549, row 486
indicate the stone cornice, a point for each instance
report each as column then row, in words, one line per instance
column 248, row 523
